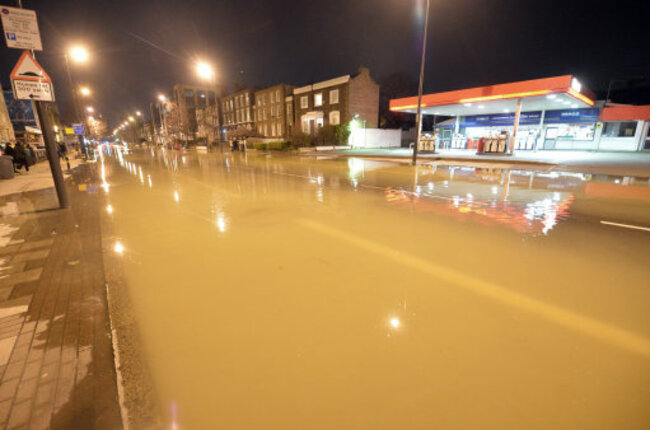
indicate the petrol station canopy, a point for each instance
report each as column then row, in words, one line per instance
column 561, row 92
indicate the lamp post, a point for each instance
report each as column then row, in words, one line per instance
column 418, row 119
column 79, row 55
column 206, row 72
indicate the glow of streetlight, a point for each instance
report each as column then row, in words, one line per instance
column 85, row 91
column 78, row 54
column 204, row 70
column 131, row 119
column 138, row 113
column 90, row 109
column 162, row 98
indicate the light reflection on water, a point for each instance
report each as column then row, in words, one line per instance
column 258, row 313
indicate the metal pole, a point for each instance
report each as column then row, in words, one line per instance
column 418, row 125
column 515, row 127
column 52, row 154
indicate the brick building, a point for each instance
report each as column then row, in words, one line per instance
column 270, row 111
column 208, row 124
column 6, row 127
column 188, row 98
column 336, row 101
column 237, row 111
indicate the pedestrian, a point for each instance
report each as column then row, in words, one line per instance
column 9, row 150
column 20, row 157
column 30, row 154
column 62, row 150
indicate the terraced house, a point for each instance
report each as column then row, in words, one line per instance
column 271, row 112
column 336, row 101
column 237, row 111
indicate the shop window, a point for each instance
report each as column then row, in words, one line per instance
column 318, row 99
column 620, row 129
column 334, row 96
column 304, row 102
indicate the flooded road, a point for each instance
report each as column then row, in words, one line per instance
column 282, row 292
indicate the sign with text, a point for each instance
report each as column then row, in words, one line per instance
column 30, row 81
column 79, row 129
column 20, row 28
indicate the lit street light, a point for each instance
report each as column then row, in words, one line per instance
column 90, row 109
column 204, row 70
column 138, row 113
column 85, row 91
column 131, row 119
column 162, row 98
column 78, row 54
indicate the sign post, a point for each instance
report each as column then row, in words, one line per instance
column 29, row 81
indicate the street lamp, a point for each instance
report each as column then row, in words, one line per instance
column 85, row 91
column 162, row 98
column 138, row 113
column 78, row 54
column 418, row 119
column 204, row 70
column 90, row 109
column 131, row 118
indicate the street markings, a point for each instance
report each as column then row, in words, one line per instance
column 633, row 227
column 588, row 326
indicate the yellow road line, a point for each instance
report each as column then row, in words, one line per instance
column 588, row 326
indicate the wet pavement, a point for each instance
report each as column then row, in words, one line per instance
column 276, row 291
column 56, row 360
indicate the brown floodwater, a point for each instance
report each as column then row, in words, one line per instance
column 275, row 291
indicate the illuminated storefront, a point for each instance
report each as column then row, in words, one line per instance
column 543, row 114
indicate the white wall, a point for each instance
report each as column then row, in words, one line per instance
column 375, row 138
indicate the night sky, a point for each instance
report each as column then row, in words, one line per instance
column 260, row 43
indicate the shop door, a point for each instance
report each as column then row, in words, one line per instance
column 445, row 141
column 550, row 138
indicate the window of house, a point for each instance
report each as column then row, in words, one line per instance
column 248, row 115
column 318, row 99
column 277, row 96
column 334, row 96
column 266, row 130
column 273, row 129
column 278, row 128
column 620, row 129
column 304, row 102
column 248, row 100
column 319, row 122
column 335, row 118
column 259, row 129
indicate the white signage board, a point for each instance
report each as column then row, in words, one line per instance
column 33, row 90
column 20, row 28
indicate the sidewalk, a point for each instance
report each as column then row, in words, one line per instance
column 38, row 178
column 56, row 362
column 608, row 163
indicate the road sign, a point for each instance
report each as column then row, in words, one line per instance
column 30, row 81
column 69, row 131
column 79, row 129
column 20, row 28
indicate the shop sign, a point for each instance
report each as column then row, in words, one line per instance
column 571, row 116
column 501, row 119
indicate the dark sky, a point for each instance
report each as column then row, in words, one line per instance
column 263, row 42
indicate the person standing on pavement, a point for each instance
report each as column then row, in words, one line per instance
column 20, row 157
column 63, row 153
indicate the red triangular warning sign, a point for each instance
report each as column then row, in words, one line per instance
column 27, row 69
